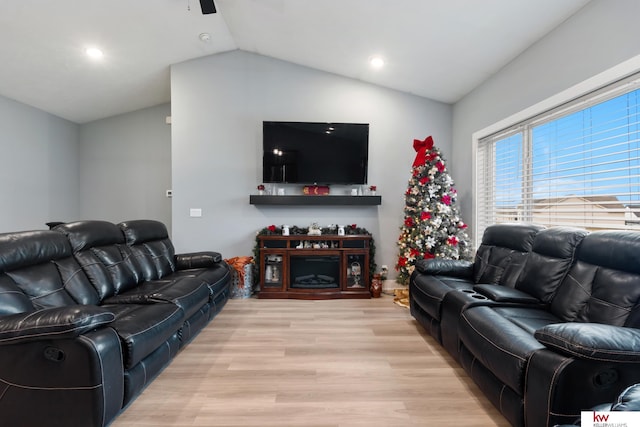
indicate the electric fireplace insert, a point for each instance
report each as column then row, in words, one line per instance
column 314, row 271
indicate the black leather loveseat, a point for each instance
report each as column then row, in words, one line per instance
column 544, row 320
column 90, row 313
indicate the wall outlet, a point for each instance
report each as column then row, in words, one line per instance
column 195, row 212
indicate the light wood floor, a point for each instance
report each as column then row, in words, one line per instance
column 312, row 363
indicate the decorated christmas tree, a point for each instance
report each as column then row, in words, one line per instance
column 432, row 225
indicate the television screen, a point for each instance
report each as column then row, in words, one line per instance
column 315, row 153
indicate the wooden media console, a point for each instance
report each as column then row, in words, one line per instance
column 314, row 267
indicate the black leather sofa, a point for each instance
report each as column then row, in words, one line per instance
column 628, row 400
column 91, row 312
column 544, row 320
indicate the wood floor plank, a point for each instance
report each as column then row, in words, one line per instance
column 333, row 363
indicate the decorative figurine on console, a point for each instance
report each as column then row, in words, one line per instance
column 314, row 230
column 355, row 274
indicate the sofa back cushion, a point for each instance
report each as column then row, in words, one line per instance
column 100, row 250
column 549, row 262
column 150, row 244
column 603, row 285
column 503, row 252
column 37, row 270
column 12, row 299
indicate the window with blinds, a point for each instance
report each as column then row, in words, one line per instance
column 576, row 165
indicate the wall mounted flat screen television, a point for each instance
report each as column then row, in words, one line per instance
column 315, row 153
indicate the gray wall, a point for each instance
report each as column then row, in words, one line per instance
column 218, row 105
column 125, row 167
column 600, row 36
column 39, row 172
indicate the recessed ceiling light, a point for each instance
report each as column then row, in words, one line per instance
column 94, row 52
column 376, row 62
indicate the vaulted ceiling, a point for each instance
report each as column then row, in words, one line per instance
column 433, row 48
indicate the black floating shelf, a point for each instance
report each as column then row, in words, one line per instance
column 313, row 200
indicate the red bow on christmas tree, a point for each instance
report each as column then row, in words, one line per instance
column 422, row 147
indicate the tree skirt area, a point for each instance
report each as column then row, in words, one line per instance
column 401, row 297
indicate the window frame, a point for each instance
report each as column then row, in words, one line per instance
column 618, row 80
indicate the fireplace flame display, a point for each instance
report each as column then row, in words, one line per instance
column 315, row 272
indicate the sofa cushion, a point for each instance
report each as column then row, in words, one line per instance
column 120, row 264
column 217, row 277
column 85, row 235
column 602, row 286
column 26, row 259
column 100, row 250
column 528, row 318
column 76, row 282
column 498, row 344
column 502, row 253
column 39, row 267
column 42, row 285
column 12, row 299
column 548, row 263
column 140, row 231
column 187, row 293
column 143, row 328
column 28, row 248
column 150, row 245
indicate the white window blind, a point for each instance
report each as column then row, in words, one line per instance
column 576, row 165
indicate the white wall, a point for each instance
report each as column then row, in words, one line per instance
column 125, row 167
column 600, row 36
column 218, row 105
column 39, row 172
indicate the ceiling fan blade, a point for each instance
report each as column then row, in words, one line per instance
column 207, row 7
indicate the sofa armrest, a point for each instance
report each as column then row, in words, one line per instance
column 501, row 293
column 197, row 260
column 52, row 323
column 628, row 400
column 592, row 341
column 446, row 267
